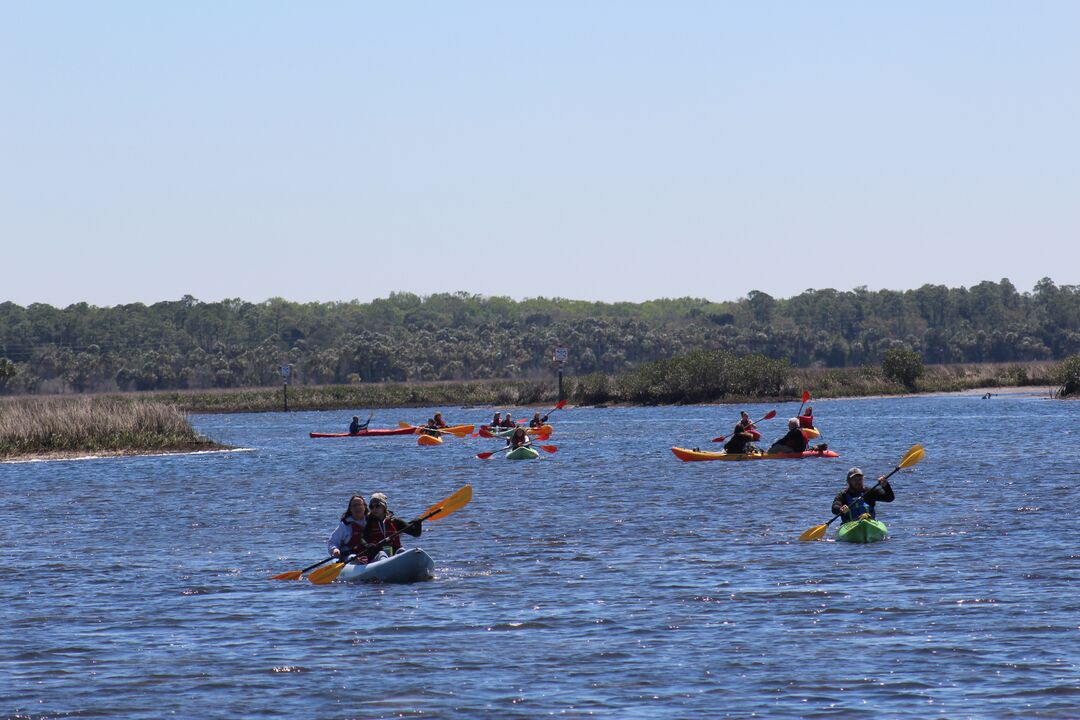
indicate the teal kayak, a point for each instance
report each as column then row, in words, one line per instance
column 862, row 531
column 407, row 566
column 523, row 453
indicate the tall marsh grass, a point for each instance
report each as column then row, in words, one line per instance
column 33, row 426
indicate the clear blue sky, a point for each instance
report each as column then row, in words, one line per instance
column 583, row 149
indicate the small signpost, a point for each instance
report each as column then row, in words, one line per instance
column 286, row 373
column 560, row 356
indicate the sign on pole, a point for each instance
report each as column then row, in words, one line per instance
column 286, row 371
column 561, row 353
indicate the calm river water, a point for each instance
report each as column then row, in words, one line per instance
column 605, row 580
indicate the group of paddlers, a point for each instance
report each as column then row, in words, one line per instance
column 852, row 502
column 502, row 423
column 795, row 441
column 369, row 531
column 518, row 438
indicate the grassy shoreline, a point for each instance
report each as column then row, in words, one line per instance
column 60, row 427
column 37, row 427
column 823, row 383
column 597, row 389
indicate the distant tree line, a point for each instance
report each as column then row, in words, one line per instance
column 405, row 337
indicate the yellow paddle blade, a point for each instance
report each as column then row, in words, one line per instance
column 291, row 575
column 815, row 533
column 325, row 575
column 912, row 457
column 459, row 430
column 449, row 505
column 402, row 423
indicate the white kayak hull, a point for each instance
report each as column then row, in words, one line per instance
column 407, row 566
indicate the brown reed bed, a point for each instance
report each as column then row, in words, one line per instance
column 64, row 426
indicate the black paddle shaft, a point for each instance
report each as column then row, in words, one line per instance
column 321, row 562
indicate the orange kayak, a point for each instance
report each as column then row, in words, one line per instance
column 687, row 455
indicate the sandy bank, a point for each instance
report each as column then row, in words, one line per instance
column 107, row 454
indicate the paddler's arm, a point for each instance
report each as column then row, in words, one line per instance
column 413, row 527
column 883, row 492
column 838, row 505
column 337, row 539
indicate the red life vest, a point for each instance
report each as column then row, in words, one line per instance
column 806, row 421
column 356, row 542
column 375, row 532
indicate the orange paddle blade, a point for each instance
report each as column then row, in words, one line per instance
column 325, row 575
column 815, row 533
column 297, row 574
column 291, row 575
column 912, row 457
column 449, row 505
column 549, row 448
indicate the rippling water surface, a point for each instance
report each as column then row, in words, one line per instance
column 608, row 579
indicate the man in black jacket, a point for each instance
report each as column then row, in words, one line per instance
column 793, row 442
column 854, row 500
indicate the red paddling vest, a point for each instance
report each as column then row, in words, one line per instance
column 376, row 533
column 356, row 542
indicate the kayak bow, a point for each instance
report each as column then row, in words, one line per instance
column 863, row 530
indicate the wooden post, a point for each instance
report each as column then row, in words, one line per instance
column 561, row 396
column 285, row 395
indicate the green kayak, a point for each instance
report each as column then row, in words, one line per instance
column 523, row 453
column 862, row 531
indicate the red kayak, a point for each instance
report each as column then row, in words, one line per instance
column 368, row 433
